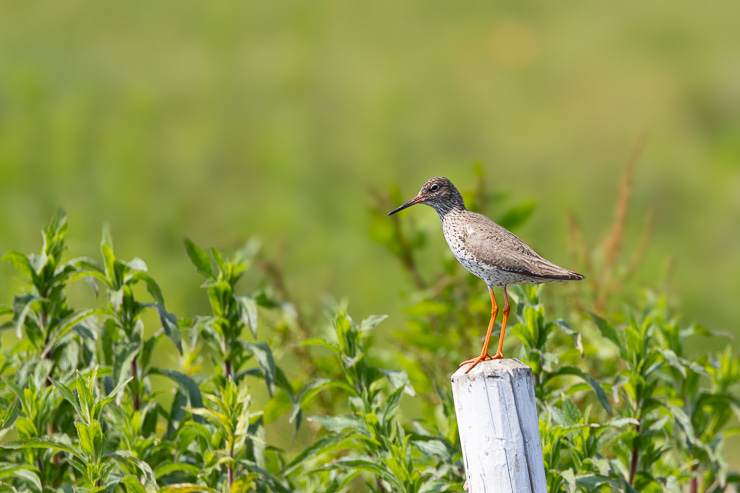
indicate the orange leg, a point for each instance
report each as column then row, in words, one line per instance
column 499, row 355
column 484, row 353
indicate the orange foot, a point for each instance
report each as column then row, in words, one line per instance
column 476, row 360
column 480, row 358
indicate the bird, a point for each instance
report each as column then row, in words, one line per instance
column 489, row 251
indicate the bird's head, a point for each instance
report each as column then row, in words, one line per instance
column 438, row 192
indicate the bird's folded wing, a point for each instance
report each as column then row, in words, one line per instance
column 501, row 249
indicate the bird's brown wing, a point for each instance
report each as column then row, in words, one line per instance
column 501, row 249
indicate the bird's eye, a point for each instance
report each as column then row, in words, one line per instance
column 434, row 188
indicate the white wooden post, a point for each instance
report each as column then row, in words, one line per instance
column 497, row 419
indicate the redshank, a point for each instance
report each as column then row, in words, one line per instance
column 487, row 250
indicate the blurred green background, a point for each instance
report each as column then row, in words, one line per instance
column 223, row 120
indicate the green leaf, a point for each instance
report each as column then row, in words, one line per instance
column 328, row 443
column 133, row 482
column 86, row 441
column 699, row 329
column 399, row 378
column 369, row 465
column 169, row 324
column 22, row 306
column 57, row 226
column 69, row 323
column 591, row 482
column 340, row 423
column 321, row 342
column 42, row 443
column 524, row 333
column 9, row 415
column 263, row 354
column 575, row 335
column 9, row 469
column 126, row 456
column 314, row 387
column 177, row 412
column 608, row 331
column 635, row 343
column 22, row 263
column 151, row 286
column 200, row 259
column 673, row 360
column 187, row 384
column 218, row 292
column 310, row 390
column 684, row 422
column 113, row 393
column 28, row 474
column 620, row 422
column 517, row 216
column 136, row 264
column 109, row 260
column 148, row 348
column 371, row 322
column 122, row 363
column 218, row 258
column 570, row 480
column 248, row 312
column 570, row 412
column 165, row 469
column 26, row 428
column 85, row 386
column 68, row 395
column 89, row 270
column 214, row 417
column 595, row 385
column 391, row 404
column 187, row 488
column 431, row 446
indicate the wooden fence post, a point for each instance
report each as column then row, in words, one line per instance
column 499, row 431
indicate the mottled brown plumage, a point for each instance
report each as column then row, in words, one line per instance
column 487, row 250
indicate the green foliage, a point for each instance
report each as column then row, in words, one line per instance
column 231, row 313
column 369, row 437
column 89, row 403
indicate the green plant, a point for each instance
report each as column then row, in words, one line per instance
column 125, row 348
column 623, row 405
column 231, row 314
column 369, row 437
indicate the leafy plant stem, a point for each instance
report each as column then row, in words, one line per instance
column 40, row 466
column 694, row 483
column 135, row 383
column 634, row 457
column 231, row 466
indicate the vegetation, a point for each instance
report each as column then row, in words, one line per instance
column 124, row 395
column 217, row 121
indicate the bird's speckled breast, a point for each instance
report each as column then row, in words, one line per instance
column 455, row 232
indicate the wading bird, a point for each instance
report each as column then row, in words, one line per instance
column 487, row 250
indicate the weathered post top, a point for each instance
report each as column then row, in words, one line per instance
column 499, row 431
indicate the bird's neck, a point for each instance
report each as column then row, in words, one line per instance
column 449, row 209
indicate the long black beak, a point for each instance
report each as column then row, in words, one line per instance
column 411, row 202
